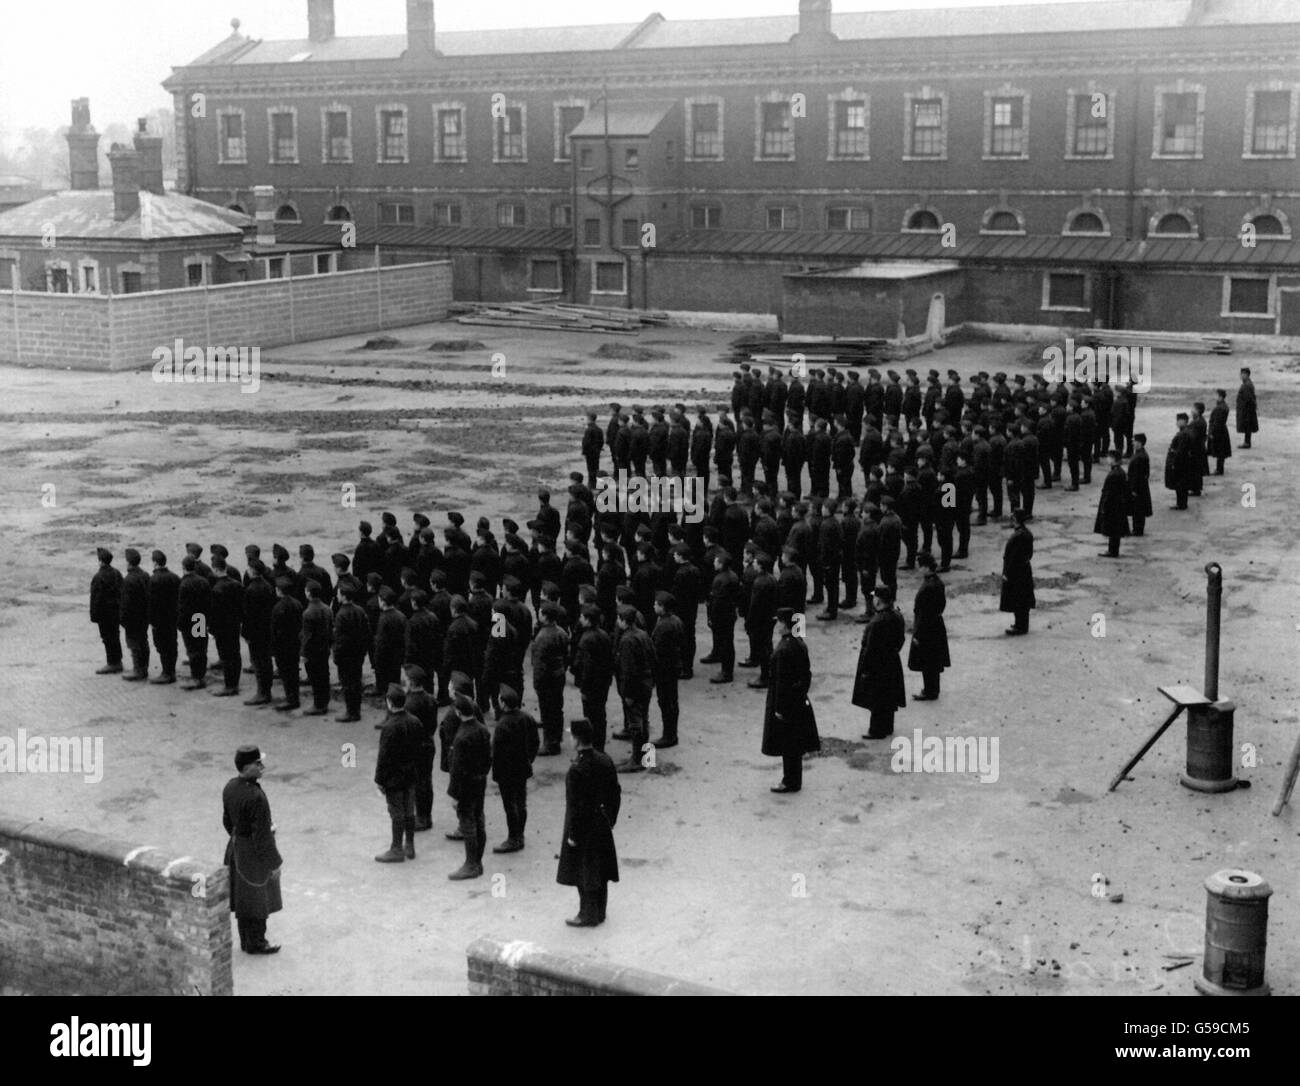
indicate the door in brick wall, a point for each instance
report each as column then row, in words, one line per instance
column 934, row 326
column 1288, row 318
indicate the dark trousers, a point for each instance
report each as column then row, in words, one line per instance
column 110, row 633
column 844, row 480
column 1013, row 495
column 349, row 668
column 831, row 581
column 137, row 641
column 387, row 672
column 514, row 798
column 1022, row 619
column 1027, row 495
column 252, row 933
column 882, row 723
column 963, row 532
column 793, row 480
column 689, row 618
column 1218, row 465
column 724, row 643
column 792, row 771
column 1073, row 461
column 164, row 640
column 550, row 703
column 666, row 694
column 636, row 721
column 995, row 490
column 318, row 675
column 760, row 647
column 867, row 582
column 286, row 663
column 818, row 576
column 592, row 904
column 231, row 664
column 1139, row 524
column 850, row 575
column 889, row 575
column 196, row 651
column 747, row 480
column 259, row 655
column 424, row 787
column 1045, row 465
column 1058, row 454
column 401, row 814
column 930, row 679
column 1181, row 496
column 927, row 534
column 593, row 708
column 593, row 466
column 982, row 499
column 473, row 826
column 943, row 530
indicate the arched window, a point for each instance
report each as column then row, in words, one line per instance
column 1003, row 222
column 338, row 213
column 237, row 208
column 923, row 219
column 1086, row 222
column 286, row 213
column 1268, row 226
column 1174, row 223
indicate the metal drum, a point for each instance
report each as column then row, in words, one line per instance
column 1236, row 934
column 1210, row 752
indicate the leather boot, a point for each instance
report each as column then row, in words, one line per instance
column 395, row 853
column 471, row 868
column 408, row 826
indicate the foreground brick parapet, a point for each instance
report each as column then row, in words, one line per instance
column 520, row 968
column 85, row 914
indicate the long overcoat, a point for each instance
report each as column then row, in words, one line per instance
column 879, row 683
column 251, row 854
column 1018, row 572
column 929, row 650
column 592, row 800
column 789, row 677
column 1112, row 510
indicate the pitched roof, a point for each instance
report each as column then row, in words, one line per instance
column 655, row 32
column 547, row 239
column 89, row 214
column 625, row 119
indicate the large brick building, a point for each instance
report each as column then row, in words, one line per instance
column 1089, row 163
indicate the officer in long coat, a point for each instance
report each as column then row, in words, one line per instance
column 1220, row 443
column 929, row 651
column 879, row 685
column 251, row 855
column 1112, row 510
column 789, row 723
column 1139, row 484
column 1018, row 575
column 588, row 859
column 1181, row 472
column 1247, row 412
column 106, row 611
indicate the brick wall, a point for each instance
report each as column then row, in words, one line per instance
column 522, row 969
column 89, row 915
column 86, row 331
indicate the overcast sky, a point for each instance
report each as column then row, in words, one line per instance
column 117, row 52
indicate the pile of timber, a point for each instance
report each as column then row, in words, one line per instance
column 1163, row 341
column 765, row 349
column 558, row 317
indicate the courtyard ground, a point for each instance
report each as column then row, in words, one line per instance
column 869, row 881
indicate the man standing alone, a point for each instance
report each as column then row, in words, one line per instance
column 251, row 855
column 789, row 723
column 588, row 859
column 1112, row 511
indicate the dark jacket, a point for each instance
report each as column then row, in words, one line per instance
column 259, row 605
column 135, row 598
column 1018, row 572
column 1247, row 411
column 593, row 662
column 193, row 598
column 317, row 631
column 251, row 854
column 1220, row 442
column 106, row 595
column 390, row 639
column 1112, row 510
column 929, row 633
column 227, row 607
column 1181, row 469
column 471, row 760
column 635, row 664
column 460, row 647
column 879, row 683
column 550, row 655
column 400, row 740
column 789, row 678
column 351, row 632
column 286, row 626
column 592, row 801
column 514, row 746
column 1139, row 483
column 668, row 640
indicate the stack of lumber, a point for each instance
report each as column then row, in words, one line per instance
column 764, row 349
column 1160, row 341
column 560, row 317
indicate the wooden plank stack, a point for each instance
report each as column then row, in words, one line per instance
column 1162, row 341
column 775, row 350
column 559, row 317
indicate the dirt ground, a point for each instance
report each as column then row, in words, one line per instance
column 869, row 881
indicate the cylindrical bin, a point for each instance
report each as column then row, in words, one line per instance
column 1210, row 754
column 1236, row 934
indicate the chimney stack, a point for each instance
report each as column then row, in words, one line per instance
column 814, row 22
column 83, row 148
column 125, row 164
column 264, row 213
column 320, row 20
column 419, row 28
column 151, row 158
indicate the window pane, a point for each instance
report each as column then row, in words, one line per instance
column 706, row 125
column 609, row 277
column 1179, row 133
column 631, row 233
column 1272, row 122
column 591, row 232
column 1066, row 291
column 1249, row 296
column 927, row 127
column 545, row 275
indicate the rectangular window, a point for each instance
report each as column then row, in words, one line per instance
column 1249, row 298
column 1008, row 133
column 851, row 129
column 927, row 127
column 447, row 214
column 1091, row 124
column 59, row 281
column 783, row 218
column 570, row 118
column 194, row 275
column 233, row 148
column 510, row 135
column 562, row 215
column 544, row 275
column 587, row 158
column 284, row 138
column 338, row 137
column 610, row 278
column 132, row 282
column 631, row 233
column 591, row 232
column 1272, row 135
column 89, row 279
column 395, row 214
column 778, row 130
column 275, row 267
column 1065, row 290
column 511, row 214
column 848, row 218
column 632, row 158
column 326, row 263
column 1178, row 132
column 451, row 135
column 706, row 217
column 706, row 130
column 392, row 125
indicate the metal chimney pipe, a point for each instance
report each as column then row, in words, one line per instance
column 1213, row 607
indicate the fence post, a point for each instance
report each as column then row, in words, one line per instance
column 379, row 293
